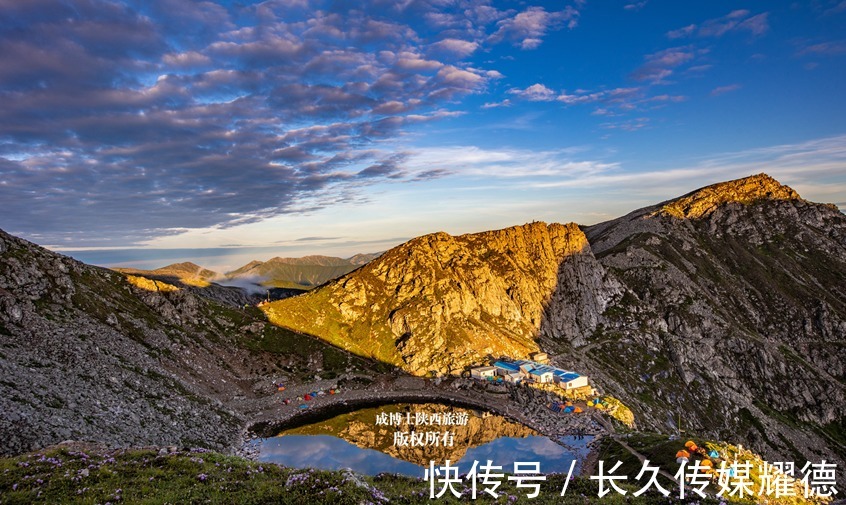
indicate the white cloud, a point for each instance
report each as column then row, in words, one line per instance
column 535, row 93
column 473, row 161
column 458, row 47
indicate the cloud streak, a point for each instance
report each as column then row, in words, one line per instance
column 737, row 21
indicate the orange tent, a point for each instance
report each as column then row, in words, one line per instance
column 578, row 410
column 682, row 454
column 691, row 445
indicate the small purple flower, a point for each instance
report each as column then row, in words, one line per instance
column 202, row 477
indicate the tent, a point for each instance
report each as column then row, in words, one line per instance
column 691, row 445
column 578, row 410
column 568, row 409
column 303, row 406
column 308, row 397
column 683, row 454
column 681, row 461
column 713, row 454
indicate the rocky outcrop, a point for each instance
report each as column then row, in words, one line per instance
column 440, row 303
column 704, row 201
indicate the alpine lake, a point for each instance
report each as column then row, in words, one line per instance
column 404, row 438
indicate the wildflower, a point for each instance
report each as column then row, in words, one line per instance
column 202, row 477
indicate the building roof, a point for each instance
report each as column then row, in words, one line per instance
column 567, row 376
column 506, row 366
column 538, row 371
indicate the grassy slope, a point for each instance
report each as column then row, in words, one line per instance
column 321, row 317
column 145, row 476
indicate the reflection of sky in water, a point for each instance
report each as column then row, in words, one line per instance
column 506, row 450
column 332, row 453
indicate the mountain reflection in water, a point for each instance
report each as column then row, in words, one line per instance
column 331, row 453
column 353, row 440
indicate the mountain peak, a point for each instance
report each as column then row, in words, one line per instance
column 747, row 190
column 185, row 266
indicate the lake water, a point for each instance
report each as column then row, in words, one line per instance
column 357, row 441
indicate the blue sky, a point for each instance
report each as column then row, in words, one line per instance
column 145, row 132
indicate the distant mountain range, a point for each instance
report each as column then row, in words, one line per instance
column 299, row 273
column 725, row 308
column 291, row 273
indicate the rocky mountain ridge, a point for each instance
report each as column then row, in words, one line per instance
column 302, row 273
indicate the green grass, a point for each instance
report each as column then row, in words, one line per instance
column 193, row 477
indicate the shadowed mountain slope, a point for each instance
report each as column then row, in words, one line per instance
column 87, row 353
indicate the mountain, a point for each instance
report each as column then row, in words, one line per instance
column 302, row 273
column 363, row 259
column 186, row 273
column 87, row 353
column 440, row 303
column 190, row 277
column 734, row 316
column 721, row 312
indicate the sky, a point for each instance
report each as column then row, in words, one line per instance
column 140, row 133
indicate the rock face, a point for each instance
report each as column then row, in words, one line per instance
column 724, row 309
column 87, row 355
column 440, row 303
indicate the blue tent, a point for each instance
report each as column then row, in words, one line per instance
column 714, row 454
column 569, row 409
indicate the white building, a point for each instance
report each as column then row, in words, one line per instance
column 483, row 372
column 540, row 357
column 570, row 380
column 513, row 377
column 542, row 376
